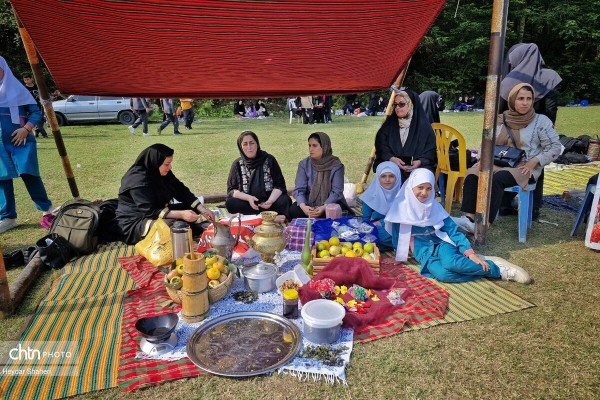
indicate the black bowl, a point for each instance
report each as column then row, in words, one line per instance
column 157, row 329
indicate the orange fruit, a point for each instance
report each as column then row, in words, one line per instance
column 334, row 241
column 219, row 265
column 213, row 273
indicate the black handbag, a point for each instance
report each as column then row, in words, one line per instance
column 508, row 156
column 54, row 250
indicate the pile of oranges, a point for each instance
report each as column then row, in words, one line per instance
column 334, row 248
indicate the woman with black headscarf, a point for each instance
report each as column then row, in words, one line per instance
column 145, row 194
column 432, row 104
column 319, row 180
column 406, row 137
column 255, row 181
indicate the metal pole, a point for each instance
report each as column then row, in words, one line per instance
column 34, row 62
column 388, row 111
column 488, row 139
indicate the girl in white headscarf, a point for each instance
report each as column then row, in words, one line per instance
column 378, row 197
column 418, row 222
column 19, row 114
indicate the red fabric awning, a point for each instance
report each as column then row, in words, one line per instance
column 225, row 48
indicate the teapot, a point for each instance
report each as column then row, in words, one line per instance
column 268, row 238
column 223, row 241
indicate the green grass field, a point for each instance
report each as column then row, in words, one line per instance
column 550, row 351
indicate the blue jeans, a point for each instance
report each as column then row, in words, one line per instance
column 37, row 192
column 447, row 264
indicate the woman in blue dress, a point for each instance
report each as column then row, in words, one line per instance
column 418, row 222
column 378, row 197
column 19, row 114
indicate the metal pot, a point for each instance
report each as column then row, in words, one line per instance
column 260, row 277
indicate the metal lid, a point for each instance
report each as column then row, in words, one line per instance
column 261, row 270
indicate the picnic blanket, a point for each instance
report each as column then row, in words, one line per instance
column 468, row 300
column 568, row 177
column 83, row 306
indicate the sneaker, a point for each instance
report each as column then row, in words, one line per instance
column 132, row 129
column 158, row 130
column 146, row 134
column 465, row 223
column 7, row 224
column 510, row 271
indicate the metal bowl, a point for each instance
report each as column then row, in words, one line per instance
column 158, row 328
column 260, row 277
column 244, row 344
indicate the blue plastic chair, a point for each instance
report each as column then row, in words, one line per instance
column 584, row 208
column 525, row 199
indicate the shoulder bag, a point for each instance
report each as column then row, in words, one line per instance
column 508, row 156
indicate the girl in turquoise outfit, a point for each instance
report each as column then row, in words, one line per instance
column 418, row 222
column 19, row 114
column 379, row 195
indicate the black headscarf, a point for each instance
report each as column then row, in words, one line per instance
column 145, row 170
column 420, row 141
column 430, row 102
column 259, row 159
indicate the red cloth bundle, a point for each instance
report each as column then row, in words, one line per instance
column 347, row 272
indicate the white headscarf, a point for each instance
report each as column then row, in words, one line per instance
column 12, row 93
column 378, row 198
column 408, row 211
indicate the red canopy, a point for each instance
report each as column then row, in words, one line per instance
column 225, row 48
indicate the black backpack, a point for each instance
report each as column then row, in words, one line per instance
column 78, row 221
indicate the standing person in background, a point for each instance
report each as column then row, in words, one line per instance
column 524, row 64
column 169, row 110
column 19, row 114
column 188, row 112
column 328, row 108
column 432, row 104
column 33, row 89
column 141, row 107
column 307, row 107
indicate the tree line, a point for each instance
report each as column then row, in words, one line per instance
column 453, row 57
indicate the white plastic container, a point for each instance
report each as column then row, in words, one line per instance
column 322, row 320
column 297, row 274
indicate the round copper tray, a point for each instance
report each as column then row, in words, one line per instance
column 244, row 343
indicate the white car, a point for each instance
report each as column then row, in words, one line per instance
column 93, row 108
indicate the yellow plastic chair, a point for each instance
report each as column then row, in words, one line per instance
column 444, row 135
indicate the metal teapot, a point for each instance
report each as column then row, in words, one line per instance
column 223, row 241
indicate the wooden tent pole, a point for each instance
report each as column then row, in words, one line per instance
column 34, row 62
column 6, row 306
column 388, row 111
column 490, row 115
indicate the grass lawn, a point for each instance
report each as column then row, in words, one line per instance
column 550, row 351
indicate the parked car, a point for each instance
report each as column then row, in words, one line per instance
column 93, row 108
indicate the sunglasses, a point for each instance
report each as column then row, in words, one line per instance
column 399, row 105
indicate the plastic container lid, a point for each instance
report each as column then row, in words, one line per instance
column 323, row 313
column 290, row 294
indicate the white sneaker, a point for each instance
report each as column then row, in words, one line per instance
column 7, row 224
column 464, row 223
column 146, row 134
column 132, row 130
column 510, row 271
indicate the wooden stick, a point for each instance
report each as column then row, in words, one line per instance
column 388, row 111
column 190, row 242
column 26, row 278
column 6, row 305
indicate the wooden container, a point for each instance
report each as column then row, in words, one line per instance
column 194, row 293
column 594, row 149
column 194, row 306
column 320, row 263
column 214, row 294
column 194, row 273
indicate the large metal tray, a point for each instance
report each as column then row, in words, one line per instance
column 244, row 343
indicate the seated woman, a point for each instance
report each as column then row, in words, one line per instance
column 239, row 110
column 418, row 222
column 406, row 137
column 533, row 133
column 255, row 181
column 261, row 109
column 145, row 194
column 319, row 180
column 378, row 197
